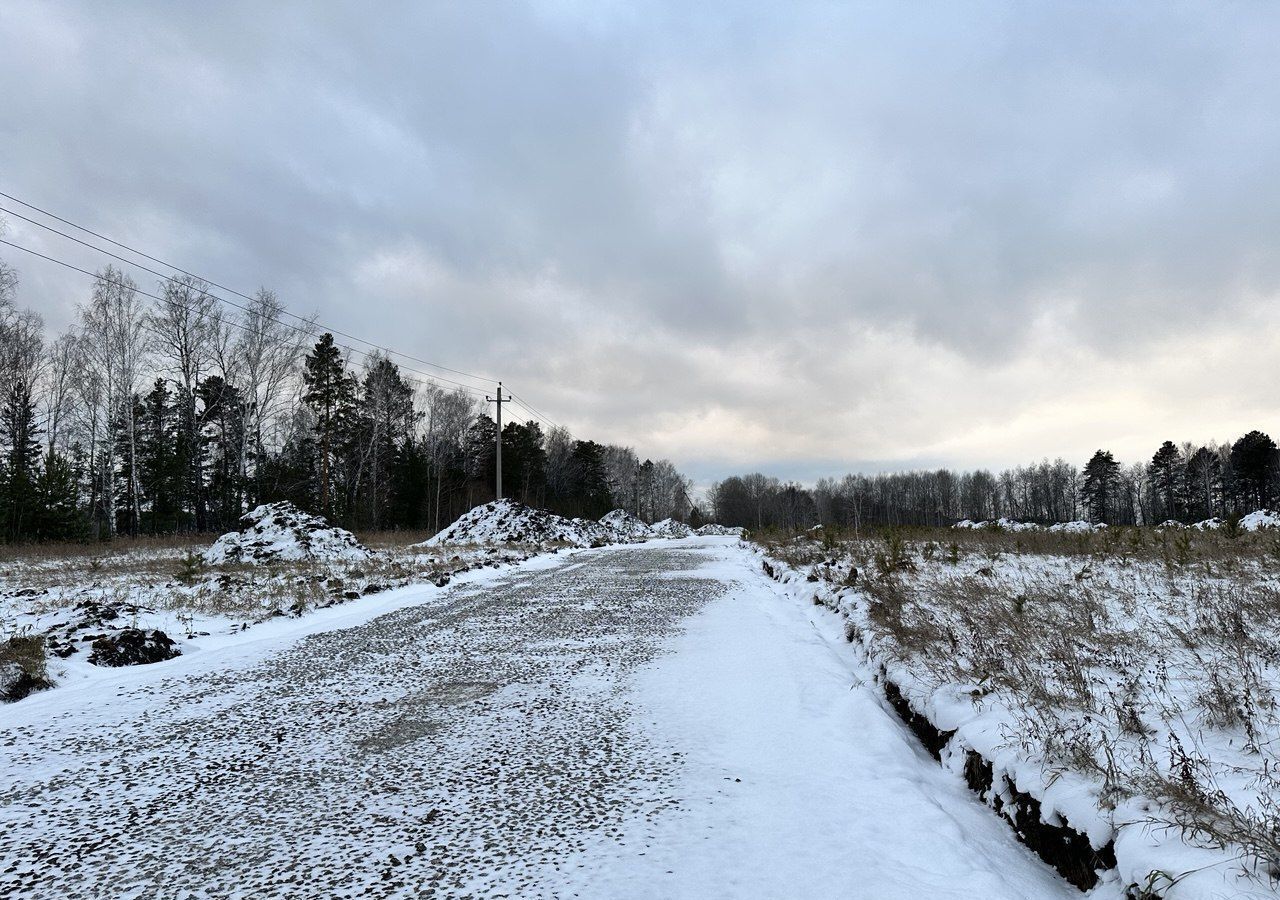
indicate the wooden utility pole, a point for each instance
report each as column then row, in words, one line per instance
column 499, row 400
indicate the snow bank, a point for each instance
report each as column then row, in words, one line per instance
column 996, row 741
column 670, row 528
column 1077, row 527
column 281, row 531
column 713, row 530
column 509, row 521
column 1259, row 519
column 626, row 526
column 1003, row 524
column 1208, row 524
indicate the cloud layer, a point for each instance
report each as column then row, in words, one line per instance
column 805, row 237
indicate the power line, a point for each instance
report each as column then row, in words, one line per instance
column 433, row 380
column 168, row 265
column 530, row 408
column 170, row 279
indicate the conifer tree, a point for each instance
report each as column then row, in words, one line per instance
column 1166, row 473
column 329, row 394
column 1254, row 467
column 20, row 473
column 1100, row 486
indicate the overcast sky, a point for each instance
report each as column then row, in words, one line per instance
column 806, row 239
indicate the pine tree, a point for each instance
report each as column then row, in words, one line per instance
column 1254, row 467
column 1100, row 487
column 524, row 462
column 480, row 452
column 590, row 495
column 386, row 418
column 329, row 393
column 1167, row 473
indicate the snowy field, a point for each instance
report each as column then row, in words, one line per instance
column 1124, row 679
column 657, row 720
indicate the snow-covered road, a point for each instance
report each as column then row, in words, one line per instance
column 652, row 721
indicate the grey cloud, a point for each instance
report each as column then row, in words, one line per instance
column 610, row 205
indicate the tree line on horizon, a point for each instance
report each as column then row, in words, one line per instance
column 1184, row 483
column 177, row 416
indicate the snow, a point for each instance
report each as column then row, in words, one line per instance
column 713, row 530
column 625, row 526
column 281, row 531
column 1142, row 611
column 717, row 739
column 796, row 781
column 1077, row 527
column 671, row 528
column 1259, row 519
column 71, row 600
column 509, row 521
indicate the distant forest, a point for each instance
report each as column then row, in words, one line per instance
column 177, row 415
column 1186, row 483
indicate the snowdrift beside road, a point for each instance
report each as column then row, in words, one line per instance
column 280, row 531
column 626, row 526
column 511, row 522
column 670, row 528
column 713, row 530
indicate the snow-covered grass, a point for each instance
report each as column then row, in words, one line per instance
column 1126, row 679
column 66, row 596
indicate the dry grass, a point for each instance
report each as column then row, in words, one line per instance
column 1147, row 659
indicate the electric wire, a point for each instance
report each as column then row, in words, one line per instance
column 208, row 281
column 432, row 379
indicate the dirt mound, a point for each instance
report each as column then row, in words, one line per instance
column 133, row 647
column 670, row 528
column 281, row 531
column 511, row 522
column 626, row 526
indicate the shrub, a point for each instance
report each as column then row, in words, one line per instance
column 22, row 667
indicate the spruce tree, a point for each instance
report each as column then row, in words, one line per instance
column 18, row 478
column 160, row 464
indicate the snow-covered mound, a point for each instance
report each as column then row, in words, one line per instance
column 1259, row 519
column 626, row 526
column 1003, row 524
column 1078, row 527
column 1209, row 524
column 713, row 530
column 509, row 521
column 281, row 531
column 670, row 528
